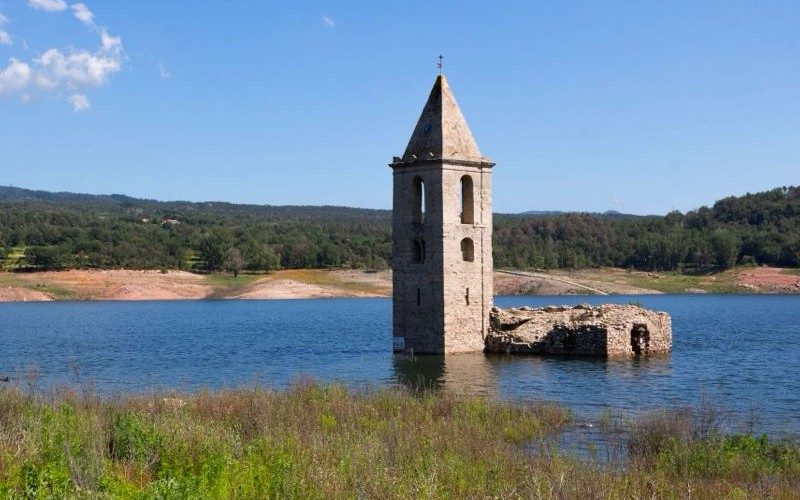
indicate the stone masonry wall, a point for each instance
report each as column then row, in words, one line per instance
column 442, row 304
column 420, row 322
column 609, row 330
column 466, row 321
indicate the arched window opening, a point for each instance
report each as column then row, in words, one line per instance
column 418, row 200
column 467, row 201
column 467, row 250
column 418, row 250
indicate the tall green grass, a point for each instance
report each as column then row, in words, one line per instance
column 314, row 441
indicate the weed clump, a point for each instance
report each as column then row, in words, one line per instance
column 326, row 441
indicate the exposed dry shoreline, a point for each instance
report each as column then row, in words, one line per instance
column 316, row 283
column 181, row 285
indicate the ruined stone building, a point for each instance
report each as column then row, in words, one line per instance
column 442, row 234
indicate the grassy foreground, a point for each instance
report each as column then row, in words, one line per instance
column 315, row 441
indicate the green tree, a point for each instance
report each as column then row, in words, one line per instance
column 234, row 261
column 46, row 258
column 262, row 258
column 725, row 245
column 214, row 248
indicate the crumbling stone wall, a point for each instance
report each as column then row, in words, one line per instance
column 609, row 330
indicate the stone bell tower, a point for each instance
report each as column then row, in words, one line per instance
column 442, row 234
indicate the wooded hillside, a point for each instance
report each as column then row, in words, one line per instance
column 43, row 230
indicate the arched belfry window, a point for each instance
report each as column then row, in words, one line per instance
column 467, row 250
column 418, row 200
column 467, row 201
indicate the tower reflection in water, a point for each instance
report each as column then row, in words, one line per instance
column 471, row 374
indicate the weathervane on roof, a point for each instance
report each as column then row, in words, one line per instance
column 440, row 63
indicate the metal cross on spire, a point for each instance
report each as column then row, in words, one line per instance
column 440, row 63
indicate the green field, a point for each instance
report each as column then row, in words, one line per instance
column 225, row 284
column 14, row 260
column 664, row 281
column 673, row 282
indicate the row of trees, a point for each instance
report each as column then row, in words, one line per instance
column 58, row 231
column 142, row 234
column 761, row 228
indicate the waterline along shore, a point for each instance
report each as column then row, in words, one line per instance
column 318, row 283
column 327, row 441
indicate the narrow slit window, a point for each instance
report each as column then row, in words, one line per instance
column 467, row 201
column 419, row 297
column 418, row 200
column 466, row 295
column 467, row 250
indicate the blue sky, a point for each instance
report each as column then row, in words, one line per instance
column 640, row 107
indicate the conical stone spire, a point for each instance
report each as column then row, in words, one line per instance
column 441, row 132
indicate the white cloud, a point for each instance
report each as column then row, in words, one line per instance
column 15, row 77
column 79, row 102
column 5, row 36
column 110, row 44
column 328, row 21
column 74, row 69
column 163, row 71
column 48, row 5
column 83, row 14
column 66, row 72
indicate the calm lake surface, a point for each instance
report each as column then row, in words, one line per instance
column 742, row 351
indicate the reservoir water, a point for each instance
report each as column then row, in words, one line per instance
column 741, row 351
